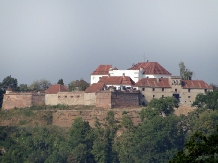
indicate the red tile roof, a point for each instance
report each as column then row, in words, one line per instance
column 54, row 89
column 95, row 87
column 150, row 68
column 116, row 80
column 153, row 82
column 102, row 70
column 197, row 84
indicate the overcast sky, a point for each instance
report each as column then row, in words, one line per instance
column 69, row 39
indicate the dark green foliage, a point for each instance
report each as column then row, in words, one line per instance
column 23, row 88
column 80, row 142
column 164, row 106
column 199, row 148
column 38, row 144
column 78, row 85
column 185, row 73
column 207, row 101
column 60, row 81
column 103, row 149
column 9, row 82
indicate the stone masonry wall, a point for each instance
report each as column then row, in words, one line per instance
column 125, row 99
column 103, row 99
column 65, row 118
column 22, row 100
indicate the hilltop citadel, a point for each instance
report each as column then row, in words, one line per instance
column 113, row 88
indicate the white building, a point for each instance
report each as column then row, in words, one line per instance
column 136, row 72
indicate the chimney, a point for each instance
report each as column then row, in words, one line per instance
column 123, row 75
column 158, row 80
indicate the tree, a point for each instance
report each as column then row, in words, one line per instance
column 214, row 86
column 40, row 85
column 80, row 142
column 199, row 148
column 78, row 85
column 8, row 82
column 103, row 149
column 23, row 87
column 207, row 101
column 164, row 106
column 60, row 81
column 185, row 74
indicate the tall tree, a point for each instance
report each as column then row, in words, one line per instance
column 80, row 142
column 60, row 81
column 185, row 73
column 9, row 82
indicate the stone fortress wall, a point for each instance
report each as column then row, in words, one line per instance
column 101, row 99
column 13, row 100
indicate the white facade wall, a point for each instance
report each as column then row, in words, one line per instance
column 135, row 75
column 96, row 78
column 155, row 76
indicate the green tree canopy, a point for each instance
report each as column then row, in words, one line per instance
column 78, row 85
column 185, row 73
column 60, row 81
column 40, row 85
column 23, row 87
column 207, row 101
column 199, row 148
column 163, row 105
column 9, row 82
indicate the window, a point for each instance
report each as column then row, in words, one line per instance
column 65, row 96
column 143, row 95
column 162, row 89
column 175, row 90
column 143, row 89
column 153, row 96
column 153, row 89
column 189, row 90
column 189, row 96
column 205, row 91
column 162, row 95
column 99, row 78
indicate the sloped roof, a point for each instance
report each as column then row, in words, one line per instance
column 154, row 82
column 116, row 80
column 197, row 84
column 54, row 89
column 102, row 70
column 95, row 87
column 150, row 68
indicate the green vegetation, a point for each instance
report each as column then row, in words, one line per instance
column 161, row 136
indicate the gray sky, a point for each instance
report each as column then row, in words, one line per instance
column 69, row 39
